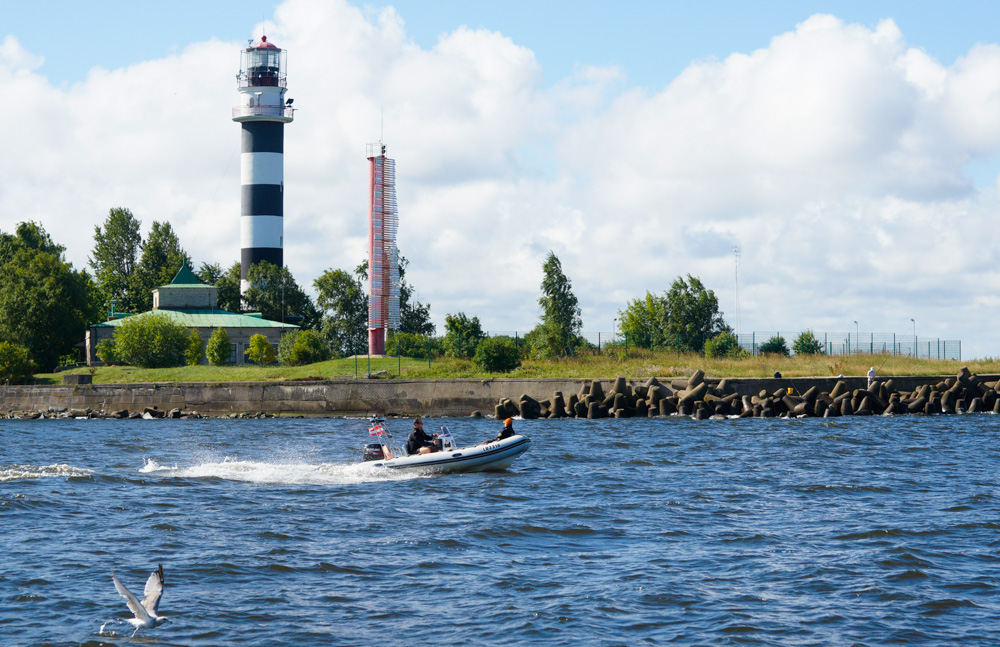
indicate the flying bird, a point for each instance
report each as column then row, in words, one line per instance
column 146, row 611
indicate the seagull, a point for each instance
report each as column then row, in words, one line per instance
column 145, row 612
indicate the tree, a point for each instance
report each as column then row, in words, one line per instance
column 643, row 322
column 45, row 305
column 151, row 340
column 463, row 335
column 114, row 259
column 274, row 293
column 302, row 347
column 774, row 346
column 30, row 236
column 227, row 281
column 195, row 348
column 413, row 317
column 807, row 344
column 105, row 351
column 16, row 366
column 260, row 350
column 693, row 314
column 219, row 348
column 161, row 259
column 561, row 321
column 344, row 305
column 497, row 355
column 724, row 345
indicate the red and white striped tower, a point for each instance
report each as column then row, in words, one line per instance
column 383, row 257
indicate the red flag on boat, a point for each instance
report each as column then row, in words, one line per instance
column 376, row 430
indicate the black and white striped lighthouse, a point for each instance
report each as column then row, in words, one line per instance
column 263, row 112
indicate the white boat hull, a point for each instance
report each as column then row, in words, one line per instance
column 491, row 456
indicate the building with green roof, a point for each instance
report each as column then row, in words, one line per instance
column 194, row 304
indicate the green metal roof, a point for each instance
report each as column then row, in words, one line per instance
column 208, row 319
column 185, row 276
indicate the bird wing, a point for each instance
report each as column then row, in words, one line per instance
column 133, row 603
column 153, row 590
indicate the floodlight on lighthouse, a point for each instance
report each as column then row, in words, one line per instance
column 383, row 256
column 262, row 112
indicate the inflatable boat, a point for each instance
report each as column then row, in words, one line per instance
column 485, row 457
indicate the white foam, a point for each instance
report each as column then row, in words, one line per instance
column 21, row 472
column 234, row 469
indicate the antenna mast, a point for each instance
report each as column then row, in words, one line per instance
column 736, row 257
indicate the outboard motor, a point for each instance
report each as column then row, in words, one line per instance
column 373, row 452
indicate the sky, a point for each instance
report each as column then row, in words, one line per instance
column 851, row 150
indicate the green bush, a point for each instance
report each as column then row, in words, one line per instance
column 151, row 341
column 774, row 346
column 219, row 348
column 807, row 344
column 195, row 348
column 105, row 351
column 286, row 346
column 16, row 366
column 723, row 345
column 261, row 351
column 412, row 345
column 303, row 347
column 497, row 355
column 309, row 347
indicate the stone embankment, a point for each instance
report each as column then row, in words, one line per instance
column 694, row 396
column 697, row 395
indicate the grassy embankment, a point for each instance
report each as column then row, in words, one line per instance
column 638, row 364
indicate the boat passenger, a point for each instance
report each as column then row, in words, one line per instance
column 506, row 432
column 419, row 442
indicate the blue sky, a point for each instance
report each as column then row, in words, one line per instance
column 651, row 41
column 854, row 157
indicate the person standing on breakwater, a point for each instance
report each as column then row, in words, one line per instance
column 419, row 442
column 871, row 376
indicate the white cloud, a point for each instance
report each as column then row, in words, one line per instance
column 836, row 156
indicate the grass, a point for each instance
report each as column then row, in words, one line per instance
column 638, row 364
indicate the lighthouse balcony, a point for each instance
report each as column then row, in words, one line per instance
column 284, row 114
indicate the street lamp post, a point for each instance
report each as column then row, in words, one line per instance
column 914, row 336
column 857, row 337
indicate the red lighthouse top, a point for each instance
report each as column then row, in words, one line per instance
column 263, row 44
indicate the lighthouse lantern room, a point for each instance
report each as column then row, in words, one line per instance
column 263, row 113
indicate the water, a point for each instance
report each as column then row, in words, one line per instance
column 615, row 532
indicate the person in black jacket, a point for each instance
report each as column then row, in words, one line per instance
column 506, row 432
column 419, row 442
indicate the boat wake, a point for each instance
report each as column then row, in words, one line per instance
column 233, row 469
column 27, row 472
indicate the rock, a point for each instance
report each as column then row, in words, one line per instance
column 694, row 394
column 174, row 413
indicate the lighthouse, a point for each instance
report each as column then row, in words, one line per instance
column 383, row 257
column 263, row 113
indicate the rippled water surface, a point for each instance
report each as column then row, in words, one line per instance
column 869, row 531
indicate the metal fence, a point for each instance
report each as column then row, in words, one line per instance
column 831, row 343
column 836, row 343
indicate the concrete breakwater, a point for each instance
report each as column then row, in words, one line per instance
column 459, row 397
column 701, row 398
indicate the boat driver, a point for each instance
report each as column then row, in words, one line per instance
column 419, row 442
